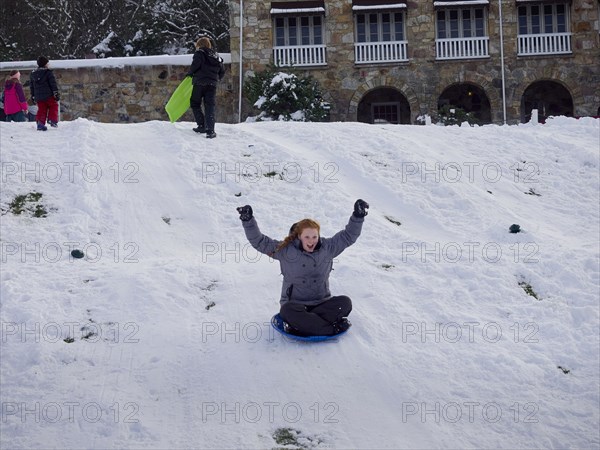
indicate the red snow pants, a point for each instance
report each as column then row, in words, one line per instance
column 47, row 108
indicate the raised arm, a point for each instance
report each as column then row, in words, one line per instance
column 259, row 241
column 348, row 236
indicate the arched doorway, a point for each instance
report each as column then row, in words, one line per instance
column 549, row 98
column 470, row 98
column 384, row 105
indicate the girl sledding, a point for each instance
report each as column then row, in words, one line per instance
column 307, row 307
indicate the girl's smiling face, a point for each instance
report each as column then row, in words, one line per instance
column 309, row 238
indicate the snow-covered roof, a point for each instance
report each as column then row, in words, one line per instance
column 305, row 6
column 462, row 3
column 381, row 6
column 318, row 9
column 155, row 60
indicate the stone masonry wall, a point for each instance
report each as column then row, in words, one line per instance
column 126, row 94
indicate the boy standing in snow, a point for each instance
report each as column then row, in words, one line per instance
column 15, row 103
column 206, row 69
column 44, row 91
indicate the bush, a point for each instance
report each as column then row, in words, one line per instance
column 285, row 96
column 452, row 115
column 254, row 84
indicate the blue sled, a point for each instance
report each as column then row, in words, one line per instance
column 277, row 323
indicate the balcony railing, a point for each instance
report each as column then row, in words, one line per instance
column 462, row 48
column 300, row 55
column 544, row 44
column 380, row 52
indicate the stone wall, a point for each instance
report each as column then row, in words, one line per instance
column 131, row 93
column 423, row 78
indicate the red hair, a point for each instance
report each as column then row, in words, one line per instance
column 297, row 230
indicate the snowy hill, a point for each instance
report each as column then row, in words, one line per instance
column 464, row 335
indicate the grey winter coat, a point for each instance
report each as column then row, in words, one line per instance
column 305, row 275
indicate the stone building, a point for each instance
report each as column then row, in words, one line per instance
column 395, row 60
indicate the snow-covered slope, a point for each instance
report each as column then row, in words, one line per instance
column 159, row 337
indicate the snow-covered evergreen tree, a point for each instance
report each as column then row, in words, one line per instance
column 286, row 96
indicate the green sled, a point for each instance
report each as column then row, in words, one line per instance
column 179, row 102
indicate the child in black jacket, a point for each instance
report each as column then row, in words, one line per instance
column 44, row 92
column 206, row 69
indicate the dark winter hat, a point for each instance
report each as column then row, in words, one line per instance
column 42, row 61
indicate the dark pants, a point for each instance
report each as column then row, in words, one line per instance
column 206, row 95
column 316, row 320
column 16, row 117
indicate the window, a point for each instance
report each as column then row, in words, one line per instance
column 298, row 33
column 379, row 34
column 461, row 23
column 379, row 27
column 303, row 30
column 543, row 29
column 461, row 32
column 385, row 112
column 543, row 18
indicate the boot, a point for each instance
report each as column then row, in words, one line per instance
column 291, row 330
column 339, row 326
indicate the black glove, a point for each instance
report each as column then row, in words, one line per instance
column 245, row 213
column 57, row 96
column 360, row 208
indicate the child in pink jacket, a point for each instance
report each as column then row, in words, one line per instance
column 15, row 103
